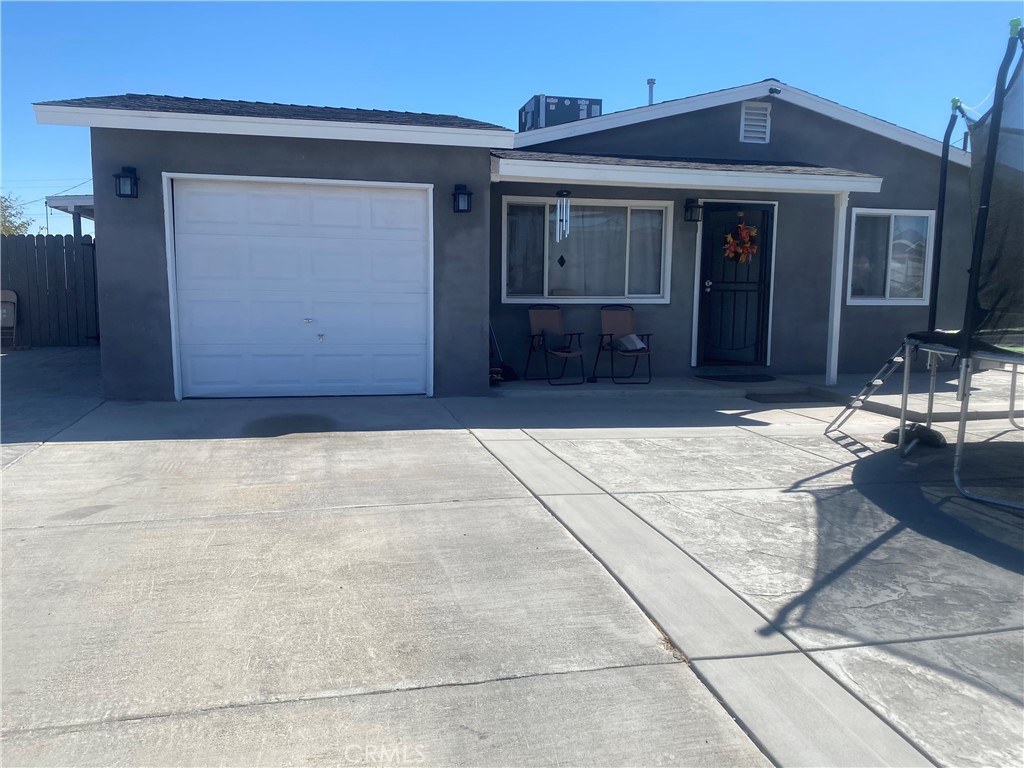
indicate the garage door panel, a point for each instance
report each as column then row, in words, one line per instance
column 205, row 209
column 222, row 370
column 394, row 321
column 398, row 370
column 255, row 261
column 364, row 369
column 286, row 367
column 345, row 210
column 211, row 261
column 398, row 215
column 277, row 267
column 212, row 317
column 285, row 371
column 345, row 264
column 374, row 319
column 212, row 369
column 398, row 267
column 284, row 212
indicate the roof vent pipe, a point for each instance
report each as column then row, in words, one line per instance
column 650, row 91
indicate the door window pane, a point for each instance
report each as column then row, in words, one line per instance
column 646, row 236
column 525, row 250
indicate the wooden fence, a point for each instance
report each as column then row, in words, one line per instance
column 55, row 279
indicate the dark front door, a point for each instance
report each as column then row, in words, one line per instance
column 735, row 254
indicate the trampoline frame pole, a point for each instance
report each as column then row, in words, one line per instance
column 940, row 209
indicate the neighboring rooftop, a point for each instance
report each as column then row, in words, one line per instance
column 137, row 102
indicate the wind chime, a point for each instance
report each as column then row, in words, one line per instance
column 562, row 215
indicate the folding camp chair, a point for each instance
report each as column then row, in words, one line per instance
column 8, row 316
column 548, row 337
column 620, row 339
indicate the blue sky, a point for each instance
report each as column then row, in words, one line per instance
column 898, row 61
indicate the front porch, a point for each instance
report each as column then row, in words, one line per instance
column 649, row 233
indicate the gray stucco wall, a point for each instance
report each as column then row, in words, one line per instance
column 910, row 181
column 803, row 263
column 135, row 324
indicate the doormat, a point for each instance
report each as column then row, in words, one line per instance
column 739, row 377
column 788, row 397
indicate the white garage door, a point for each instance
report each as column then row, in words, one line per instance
column 301, row 289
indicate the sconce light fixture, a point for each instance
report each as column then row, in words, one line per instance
column 462, row 199
column 126, row 183
column 692, row 211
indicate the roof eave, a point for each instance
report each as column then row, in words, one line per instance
column 503, row 169
column 94, row 117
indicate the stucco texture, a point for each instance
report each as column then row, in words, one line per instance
column 134, row 309
column 804, row 243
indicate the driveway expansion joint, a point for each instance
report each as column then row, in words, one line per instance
column 795, row 651
column 327, row 696
column 260, row 513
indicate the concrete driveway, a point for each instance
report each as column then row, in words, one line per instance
column 473, row 582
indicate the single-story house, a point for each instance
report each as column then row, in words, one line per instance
column 255, row 249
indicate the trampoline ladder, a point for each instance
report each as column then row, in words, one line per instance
column 870, row 387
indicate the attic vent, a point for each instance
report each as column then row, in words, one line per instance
column 756, row 122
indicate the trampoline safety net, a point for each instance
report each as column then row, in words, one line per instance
column 999, row 302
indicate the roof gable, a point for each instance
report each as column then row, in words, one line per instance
column 771, row 89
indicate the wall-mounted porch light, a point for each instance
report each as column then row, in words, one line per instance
column 462, row 199
column 692, row 211
column 126, row 183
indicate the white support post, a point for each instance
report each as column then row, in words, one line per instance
column 835, row 307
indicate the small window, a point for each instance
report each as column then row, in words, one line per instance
column 755, row 122
column 615, row 250
column 890, row 257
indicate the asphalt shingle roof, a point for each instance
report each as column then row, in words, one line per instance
column 685, row 164
column 187, row 105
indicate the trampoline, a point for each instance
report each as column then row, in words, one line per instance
column 992, row 335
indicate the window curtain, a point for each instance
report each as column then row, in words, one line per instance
column 870, row 254
column 645, row 241
column 909, row 247
column 525, row 250
column 592, row 260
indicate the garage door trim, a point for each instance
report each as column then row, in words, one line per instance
column 170, row 177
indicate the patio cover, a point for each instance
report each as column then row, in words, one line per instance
column 612, row 170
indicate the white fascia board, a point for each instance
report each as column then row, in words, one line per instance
column 641, row 176
column 734, row 95
column 259, row 126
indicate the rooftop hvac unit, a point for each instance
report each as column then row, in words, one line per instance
column 544, row 111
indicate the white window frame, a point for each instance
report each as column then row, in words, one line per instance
column 666, row 251
column 885, row 301
column 759, row 105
